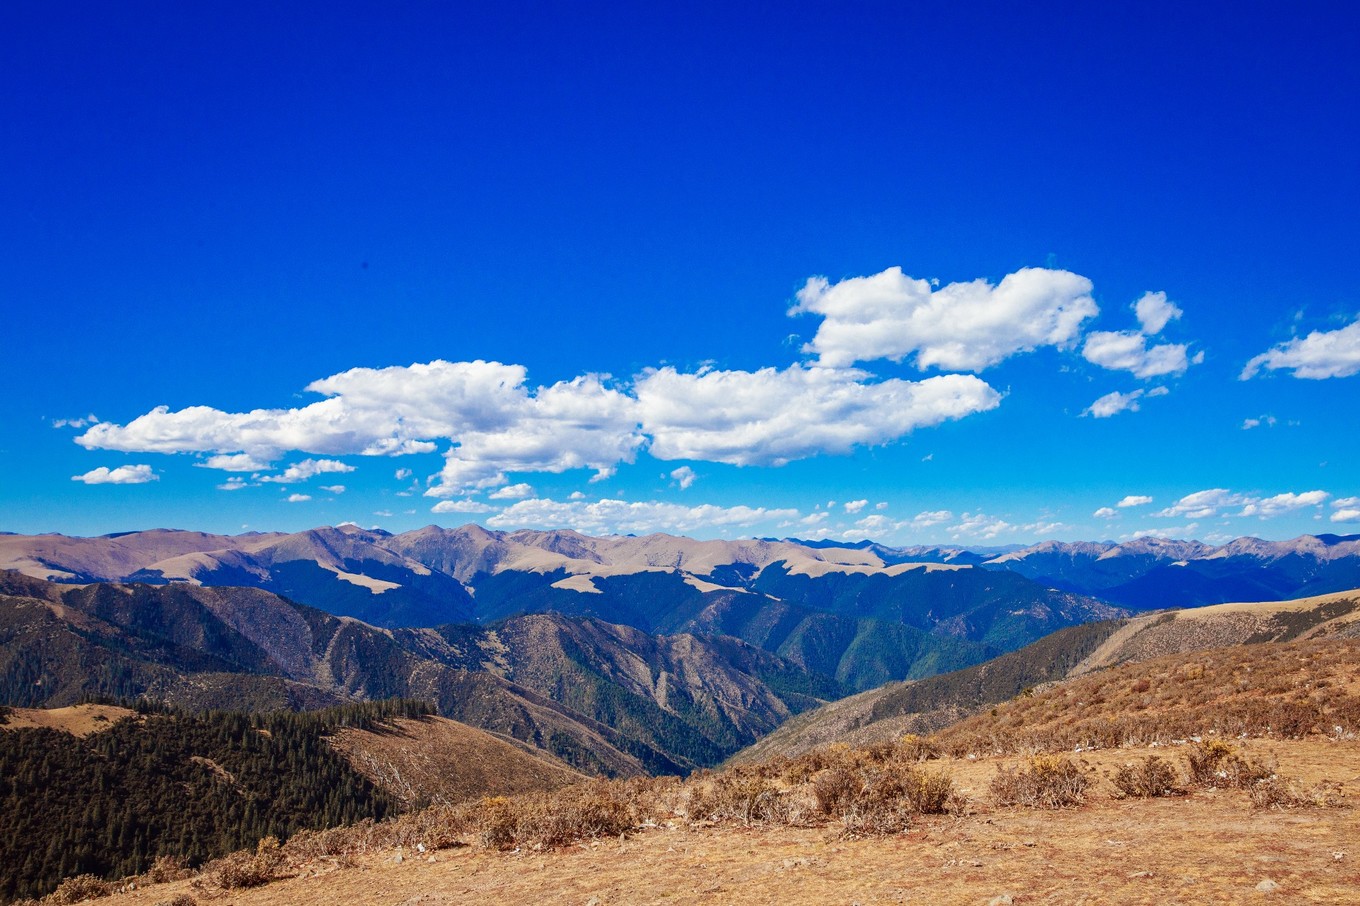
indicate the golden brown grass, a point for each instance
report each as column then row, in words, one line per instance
column 78, row 720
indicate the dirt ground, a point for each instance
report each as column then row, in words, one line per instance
column 1208, row 847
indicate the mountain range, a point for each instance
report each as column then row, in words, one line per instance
column 860, row 615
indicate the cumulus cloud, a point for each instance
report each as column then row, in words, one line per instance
column 1134, row 500
column 1267, row 420
column 139, row 474
column 1346, row 502
column 299, row 498
column 1154, row 310
column 980, row 525
column 621, row 517
column 684, row 477
column 1114, row 403
column 932, row 518
column 460, row 506
column 1283, row 503
column 1346, row 515
column 1321, row 354
column 1106, row 512
column 402, row 474
column 1128, row 350
column 962, row 326
column 1214, row 501
column 881, row 505
column 854, row 506
column 234, row 462
column 308, row 468
column 1202, row 504
column 333, row 488
column 236, row 483
column 772, row 417
column 512, row 492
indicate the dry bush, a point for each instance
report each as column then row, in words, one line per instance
column 1215, row 763
column 78, row 889
column 1281, row 793
column 166, row 869
column 1153, row 777
column 545, row 820
column 1045, row 782
column 881, row 799
column 246, row 869
column 914, row 748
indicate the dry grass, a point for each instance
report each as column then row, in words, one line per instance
column 78, row 720
column 1276, row 690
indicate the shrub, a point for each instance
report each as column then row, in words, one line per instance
column 1214, row 763
column 167, row 868
column 244, row 869
column 1153, row 777
column 1282, row 793
column 913, row 748
column 78, row 889
column 1045, row 782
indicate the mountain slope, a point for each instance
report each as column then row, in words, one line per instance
column 605, row 699
column 929, row 704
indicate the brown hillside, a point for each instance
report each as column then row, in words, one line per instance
column 78, row 720
column 437, row 760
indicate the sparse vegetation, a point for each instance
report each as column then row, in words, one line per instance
column 1044, row 782
column 1153, row 776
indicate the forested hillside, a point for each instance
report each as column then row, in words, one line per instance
column 170, row 783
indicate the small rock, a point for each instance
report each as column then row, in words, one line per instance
column 1140, row 874
column 397, row 858
column 431, row 858
column 1267, row 886
column 1002, row 900
column 593, row 901
column 420, row 847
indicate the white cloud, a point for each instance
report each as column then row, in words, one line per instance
column 1209, row 503
column 460, row 506
column 1202, row 504
column 1321, row 354
column 1283, row 503
column 881, row 505
column 333, row 488
column 872, row 526
column 299, row 498
column 1114, row 403
column 308, row 468
column 683, row 476
column 402, row 475
column 854, row 506
column 1106, row 512
column 1154, row 310
column 1267, row 420
column 1134, row 500
column 772, row 417
column 621, row 517
column 1346, row 502
column 236, row 483
column 1351, row 515
column 963, row 326
column 1127, row 350
column 576, row 495
column 512, row 492
column 980, row 525
column 80, row 422
column 932, row 518
column 139, row 474
column 234, row 462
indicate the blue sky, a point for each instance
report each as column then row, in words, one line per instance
column 971, row 276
